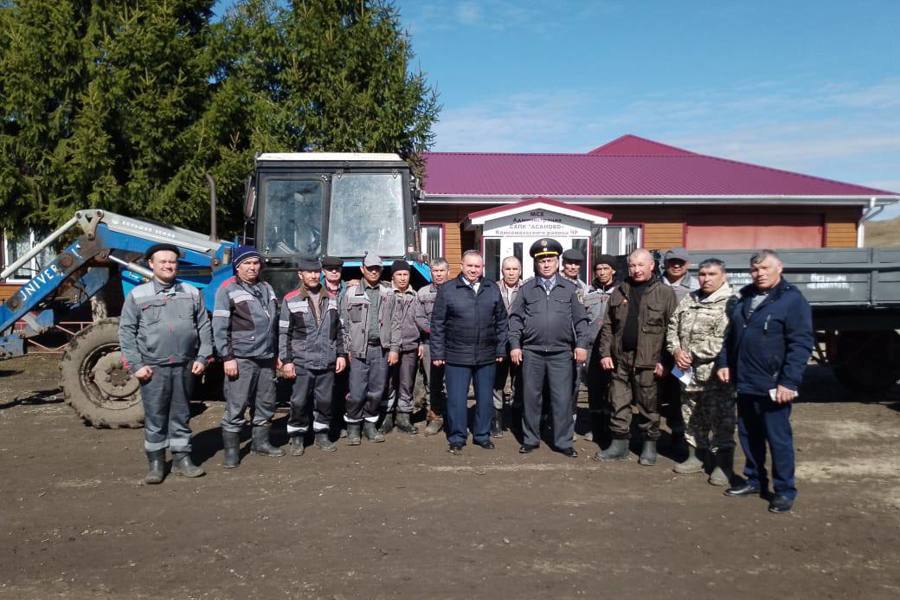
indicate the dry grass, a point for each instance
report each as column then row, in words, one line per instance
column 883, row 233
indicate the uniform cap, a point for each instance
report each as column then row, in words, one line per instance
column 545, row 247
column 157, row 247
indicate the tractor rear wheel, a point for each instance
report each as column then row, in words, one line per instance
column 96, row 383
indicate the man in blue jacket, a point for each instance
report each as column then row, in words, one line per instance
column 765, row 353
column 468, row 338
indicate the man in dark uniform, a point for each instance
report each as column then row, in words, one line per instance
column 166, row 341
column 548, row 322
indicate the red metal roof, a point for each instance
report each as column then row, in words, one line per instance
column 627, row 166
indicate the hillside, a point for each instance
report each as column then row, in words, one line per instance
column 883, row 233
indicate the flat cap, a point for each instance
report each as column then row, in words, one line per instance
column 372, row 260
column 573, row 255
column 676, row 254
column 399, row 265
column 157, row 247
column 545, row 247
column 332, row 262
column 309, row 264
column 605, row 259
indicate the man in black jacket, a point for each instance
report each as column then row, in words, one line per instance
column 547, row 323
column 468, row 338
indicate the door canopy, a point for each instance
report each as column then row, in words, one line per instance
column 536, row 218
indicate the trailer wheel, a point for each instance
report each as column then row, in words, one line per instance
column 868, row 360
column 95, row 382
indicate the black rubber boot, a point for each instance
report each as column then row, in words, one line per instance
column 157, row 471
column 387, row 425
column 617, row 450
column 693, row 463
column 405, row 425
column 324, row 442
column 497, row 424
column 261, row 444
column 723, row 474
column 297, row 445
column 231, row 441
column 353, row 434
column 182, row 465
column 648, row 453
column 372, row 433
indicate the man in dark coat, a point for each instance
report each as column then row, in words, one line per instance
column 765, row 354
column 468, row 338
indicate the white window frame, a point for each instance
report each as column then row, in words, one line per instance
column 621, row 250
column 32, row 265
column 423, row 238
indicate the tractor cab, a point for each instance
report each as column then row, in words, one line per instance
column 315, row 204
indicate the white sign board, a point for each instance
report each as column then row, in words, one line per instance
column 537, row 223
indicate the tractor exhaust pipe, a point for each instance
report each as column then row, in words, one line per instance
column 212, row 206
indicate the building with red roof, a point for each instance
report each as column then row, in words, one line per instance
column 652, row 195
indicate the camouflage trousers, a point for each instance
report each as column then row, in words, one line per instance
column 709, row 412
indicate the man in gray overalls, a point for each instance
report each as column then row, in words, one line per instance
column 311, row 347
column 244, row 328
column 165, row 338
column 366, row 311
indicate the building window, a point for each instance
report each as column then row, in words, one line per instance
column 15, row 247
column 492, row 259
column 617, row 240
column 433, row 241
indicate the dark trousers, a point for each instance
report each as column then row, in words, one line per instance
column 166, row 409
column 318, row 383
column 434, row 383
column 507, row 389
column 401, row 382
column 368, row 375
column 761, row 421
column 555, row 369
column 631, row 383
column 339, row 398
column 254, row 385
column 456, row 417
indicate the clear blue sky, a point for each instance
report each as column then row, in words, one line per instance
column 803, row 85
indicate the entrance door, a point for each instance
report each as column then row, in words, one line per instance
column 519, row 247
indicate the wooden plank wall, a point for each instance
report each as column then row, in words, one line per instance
column 840, row 227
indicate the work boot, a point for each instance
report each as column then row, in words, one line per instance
column 353, row 434
column 387, row 425
column 497, row 423
column 261, row 444
column 298, row 447
column 435, row 424
column 371, row 432
column 405, row 425
column 648, row 453
column 231, row 440
column 182, row 465
column 617, row 450
column 693, row 464
column 324, row 442
column 722, row 473
column 157, row 472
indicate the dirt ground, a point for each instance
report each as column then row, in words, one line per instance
column 405, row 519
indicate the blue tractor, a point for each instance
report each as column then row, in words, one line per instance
column 304, row 204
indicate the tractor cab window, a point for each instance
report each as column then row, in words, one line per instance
column 293, row 217
column 366, row 214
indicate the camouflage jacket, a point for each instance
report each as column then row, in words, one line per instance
column 698, row 326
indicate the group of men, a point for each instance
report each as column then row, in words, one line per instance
column 353, row 350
